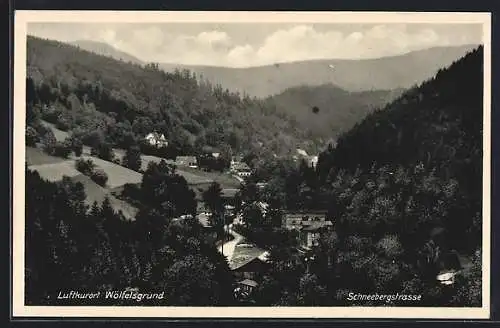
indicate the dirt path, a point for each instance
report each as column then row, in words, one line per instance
column 227, row 249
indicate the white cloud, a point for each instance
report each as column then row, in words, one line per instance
column 241, row 55
column 298, row 43
column 304, row 42
column 213, row 37
column 222, row 46
column 107, row 35
column 354, row 37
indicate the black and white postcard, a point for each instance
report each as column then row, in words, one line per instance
column 251, row 164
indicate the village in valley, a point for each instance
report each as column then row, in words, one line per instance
column 248, row 261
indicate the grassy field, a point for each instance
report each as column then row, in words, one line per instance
column 56, row 171
column 35, row 156
column 145, row 159
column 117, row 175
column 193, row 176
column 96, row 193
column 53, row 169
column 224, row 179
column 60, row 135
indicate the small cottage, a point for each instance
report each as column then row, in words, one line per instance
column 309, row 225
column 156, row 139
column 186, row 161
column 240, row 169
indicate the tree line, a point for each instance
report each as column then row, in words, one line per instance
column 100, row 98
column 73, row 246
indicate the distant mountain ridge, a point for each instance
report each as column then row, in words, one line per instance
column 386, row 73
column 104, row 49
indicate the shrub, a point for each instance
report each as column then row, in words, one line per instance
column 104, row 151
column 51, row 115
column 32, row 136
column 76, row 146
column 62, row 149
column 100, row 177
column 63, row 123
column 85, row 166
column 49, row 141
column 132, row 158
column 131, row 193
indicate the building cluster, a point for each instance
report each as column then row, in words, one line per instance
column 309, row 226
column 248, row 262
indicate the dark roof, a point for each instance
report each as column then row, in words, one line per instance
column 245, row 255
column 305, row 213
column 250, row 265
column 307, row 225
column 240, row 166
column 316, row 226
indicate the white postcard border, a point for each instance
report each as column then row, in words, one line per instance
column 22, row 18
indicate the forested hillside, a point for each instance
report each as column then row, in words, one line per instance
column 100, row 97
column 413, row 172
column 328, row 110
column 71, row 247
column 429, row 138
column 404, row 190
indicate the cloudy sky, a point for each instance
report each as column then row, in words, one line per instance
column 244, row 44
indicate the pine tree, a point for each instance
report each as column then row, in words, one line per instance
column 132, row 158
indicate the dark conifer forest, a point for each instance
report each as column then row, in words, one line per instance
column 402, row 187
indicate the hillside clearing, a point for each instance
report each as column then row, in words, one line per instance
column 96, row 193
column 117, row 175
column 60, row 135
column 56, row 171
column 36, row 156
column 224, row 179
column 145, row 159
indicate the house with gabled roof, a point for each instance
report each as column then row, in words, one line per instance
column 156, row 139
column 241, row 169
column 248, row 261
column 309, row 225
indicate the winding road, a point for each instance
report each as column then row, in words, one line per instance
column 227, row 249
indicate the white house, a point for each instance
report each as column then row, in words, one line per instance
column 241, row 169
column 156, row 139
